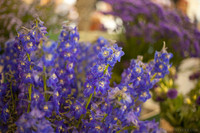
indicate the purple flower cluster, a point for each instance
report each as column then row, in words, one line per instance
column 43, row 88
column 100, row 73
column 172, row 93
column 150, row 23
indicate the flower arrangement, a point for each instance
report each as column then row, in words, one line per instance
column 182, row 110
column 43, row 88
column 146, row 25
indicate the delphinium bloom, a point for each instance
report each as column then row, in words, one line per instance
column 137, row 80
column 146, row 24
column 101, row 71
column 64, row 85
column 36, row 71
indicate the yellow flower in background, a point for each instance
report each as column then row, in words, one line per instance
column 171, row 82
column 172, row 71
column 188, row 101
column 195, row 97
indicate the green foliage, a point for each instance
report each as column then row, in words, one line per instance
column 183, row 112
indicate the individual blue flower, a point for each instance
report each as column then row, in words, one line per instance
column 60, row 72
column 49, row 59
column 27, row 77
column 118, row 115
column 78, row 109
column 74, row 35
column 67, row 55
column 166, row 57
column 132, row 118
column 98, row 69
column 161, row 67
column 137, row 71
column 111, row 60
column 57, row 93
column 66, row 90
column 64, row 34
column 95, row 127
column 61, row 82
column 101, row 41
column 66, row 45
column 75, row 51
column 36, row 98
column 49, row 46
column 120, row 95
column 102, row 85
column 106, row 107
column 137, row 110
column 60, row 127
column 29, row 44
column 53, row 80
column 144, row 96
column 70, row 66
column 23, row 65
column 70, row 77
column 111, row 119
column 118, row 53
column 46, row 107
column 88, row 88
column 105, row 53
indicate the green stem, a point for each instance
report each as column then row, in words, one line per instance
column 105, row 70
column 79, row 121
column 126, row 128
column 86, row 106
column 30, row 86
column 29, row 59
column 45, row 82
column 152, row 78
column 119, row 131
column 36, row 23
column 171, row 118
column 88, row 102
column 104, row 117
column 29, row 92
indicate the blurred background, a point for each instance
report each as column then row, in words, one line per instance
column 86, row 14
column 140, row 27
